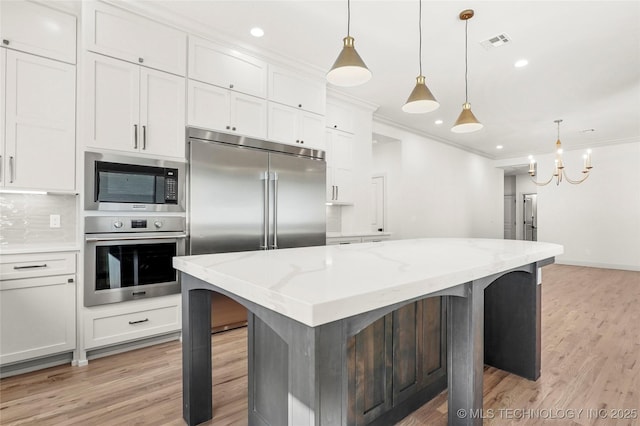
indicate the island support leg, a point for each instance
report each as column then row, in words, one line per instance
column 465, row 353
column 197, row 405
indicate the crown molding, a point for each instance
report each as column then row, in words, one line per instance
column 333, row 93
column 389, row 122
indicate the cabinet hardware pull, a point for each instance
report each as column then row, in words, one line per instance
column 11, row 169
column 228, row 127
column 231, row 86
column 139, row 321
column 233, row 128
column 299, row 105
column 335, row 126
column 5, row 42
column 135, row 136
column 301, row 141
column 333, row 192
column 138, row 293
column 144, row 137
column 141, row 60
column 44, row 265
column 337, row 192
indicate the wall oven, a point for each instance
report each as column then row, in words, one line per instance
column 120, row 183
column 131, row 257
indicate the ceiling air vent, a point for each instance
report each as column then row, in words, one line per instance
column 496, row 41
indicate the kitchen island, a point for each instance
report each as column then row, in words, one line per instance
column 306, row 305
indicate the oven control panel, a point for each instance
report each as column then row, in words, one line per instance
column 109, row 224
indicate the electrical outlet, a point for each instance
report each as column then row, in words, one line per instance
column 54, row 221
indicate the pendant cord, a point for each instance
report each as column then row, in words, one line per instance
column 466, row 59
column 420, row 32
column 348, row 17
column 558, row 129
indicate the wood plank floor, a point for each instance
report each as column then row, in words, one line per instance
column 590, row 361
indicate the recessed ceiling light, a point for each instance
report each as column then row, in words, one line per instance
column 499, row 147
column 438, row 122
column 257, row 32
column 521, row 63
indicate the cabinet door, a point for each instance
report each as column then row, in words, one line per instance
column 3, row 88
column 37, row 317
column 162, row 113
column 342, row 164
column 224, row 67
column 283, row 123
column 38, row 29
column 115, row 32
column 40, row 123
column 339, row 117
column 311, row 130
column 209, row 106
column 112, row 96
column 249, row 115
column 291, row 88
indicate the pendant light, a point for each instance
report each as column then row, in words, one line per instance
column 421, row 99
column 466, row 122
column 349, row 69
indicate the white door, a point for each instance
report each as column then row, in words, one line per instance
column 379, row 200
column 509, row 217
column 162, row 113
column 248, row 115
column 209, row 106
column 113, row 98
column 40, row 122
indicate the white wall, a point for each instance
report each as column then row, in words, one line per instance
column 438, row 190
column 598, row 221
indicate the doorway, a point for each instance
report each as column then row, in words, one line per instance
column 379, row 203
column 530, row 217
column 509, row 217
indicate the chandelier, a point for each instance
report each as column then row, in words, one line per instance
column 559, row 171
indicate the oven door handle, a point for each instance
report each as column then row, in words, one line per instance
column 163, row 237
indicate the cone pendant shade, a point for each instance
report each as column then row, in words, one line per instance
column 466, row 122
column 349, row 69
column 421, row 99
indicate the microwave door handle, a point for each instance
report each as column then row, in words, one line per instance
column 162, row 237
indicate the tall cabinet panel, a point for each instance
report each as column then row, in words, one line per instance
column 39, row 123
column 113, row 103
column 162, row 112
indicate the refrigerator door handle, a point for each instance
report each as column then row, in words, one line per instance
column 275, row 210
column 265, row 212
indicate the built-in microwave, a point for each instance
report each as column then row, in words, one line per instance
column 119, row 183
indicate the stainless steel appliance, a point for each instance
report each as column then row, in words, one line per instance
column 120, row 183
column 249, row 194
column 131, row 257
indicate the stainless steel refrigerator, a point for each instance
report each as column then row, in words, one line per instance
column 248, row 194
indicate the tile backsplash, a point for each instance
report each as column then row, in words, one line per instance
column 24, row 219
column 334, row 219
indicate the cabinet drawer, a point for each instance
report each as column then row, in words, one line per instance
column 18, row 266
column 102, row 330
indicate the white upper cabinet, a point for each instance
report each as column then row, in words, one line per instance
column 339, row 117
column 296, row 90
column 224, row 67
column 120, row 34
column 38, row 29
column 295, row 127
column 135, row 109
column 221, row 109
column 340, row 160
column 38, row 150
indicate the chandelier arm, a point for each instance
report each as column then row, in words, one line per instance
column 575, row 182
column 541, row 183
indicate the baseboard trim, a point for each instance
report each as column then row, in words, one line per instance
column 598, row 265
column 28, row 366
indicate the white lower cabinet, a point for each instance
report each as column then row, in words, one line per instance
column 296, row 127
column 37, row 306
column 221, row 109
column 124, row 322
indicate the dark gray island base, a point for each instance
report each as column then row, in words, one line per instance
column 375, row 367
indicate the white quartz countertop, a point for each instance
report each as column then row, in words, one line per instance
column 317, row 285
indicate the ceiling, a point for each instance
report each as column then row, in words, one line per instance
column 584, row 62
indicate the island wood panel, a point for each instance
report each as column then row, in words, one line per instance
column 397, row 363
